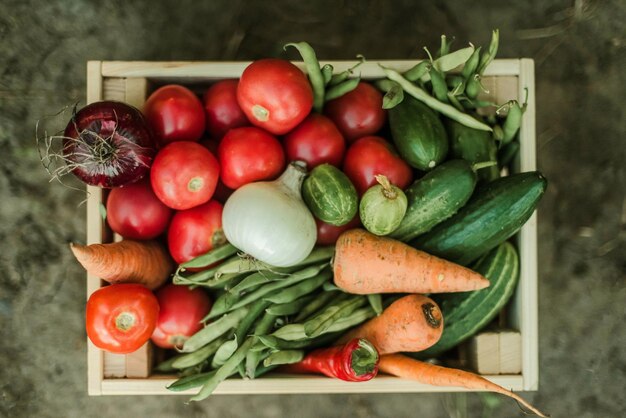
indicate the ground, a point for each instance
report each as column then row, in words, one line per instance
column 579, row 48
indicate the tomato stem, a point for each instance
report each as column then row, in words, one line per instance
column 125, row 321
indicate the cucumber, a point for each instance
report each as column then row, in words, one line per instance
column 435, row 197
column 330, row 195
column 466, row 313
column 496, row 211
column 474, row 146
column 418, row 134
column 382, row 207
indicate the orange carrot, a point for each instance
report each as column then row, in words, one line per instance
column 430, row 374
column 144, row 262
column 365, row 263
column 411, row 323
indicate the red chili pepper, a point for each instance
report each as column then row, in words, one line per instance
column 356, row 361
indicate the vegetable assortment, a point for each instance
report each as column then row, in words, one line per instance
column 308, row 227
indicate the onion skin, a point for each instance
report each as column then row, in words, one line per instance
column 108, row 144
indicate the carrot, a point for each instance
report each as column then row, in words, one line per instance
column 411, row 323
column 430, row 374
column 365, row 263
column 144, row 262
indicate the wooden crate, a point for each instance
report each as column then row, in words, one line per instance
column 131, row 82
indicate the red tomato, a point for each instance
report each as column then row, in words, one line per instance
column 247, row 155
column 358, row 113
column 372, row 155
column 275, row 95
column 315, row 141
column 134, row 211
column 184, row 174
column 221, row 108
column 182, row 309
column 195, row 231
column 328, row 234
column 175, row 114
column 120, row 318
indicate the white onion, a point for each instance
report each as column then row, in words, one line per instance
column 269, row 220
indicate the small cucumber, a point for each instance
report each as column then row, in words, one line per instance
column 330, row 195
column 495, row 212
column 382, row 207
column 418, row 134
column 474, row 146
column 466, row 313
column 435, row 197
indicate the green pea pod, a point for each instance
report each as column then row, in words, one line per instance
column 512, row 122
column 327, row 73
column 338, row 90
column 443, row 108
column 191, row 382
column 471, row 64
column 213, row 256
column 320, row 323
column 313, row 70
column 315, row 304
column 393, row 93
column 301, row 289
column 490, row 54
column 418, row 71
column 198, row 356
column 376, row 302
column 225, row 371
column 440, row 89
column 507, row 153
column 290, row 308
column 214, row 330
column 224, row 351
column 283, row 357
column 454, row 59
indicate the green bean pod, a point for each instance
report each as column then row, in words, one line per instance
column 167, row 365
column 256, row 310
column 491, row 52
column 191, row 382
column 320, row 323
column 418, row 71
column 473, row 86
column 283, row 357
column 443, row 108
column 440, row 89
column 301, row 289
column 211, row 257
column 393, row 93
column 214, row 330
column 198, row 356
column 254, row 357
column 512, row 122
column 507, row 153
column 470, row 66
column 224, row 352
column 309, row 343
column 338, row 90
column 376, row 302
column 327, row 73
column 313, row 70
column 454, row 59
column 315, row 304
column 290, row 308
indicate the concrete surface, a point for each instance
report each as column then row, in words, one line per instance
column 580, row 124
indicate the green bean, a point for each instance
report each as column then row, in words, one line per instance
column 393, row 93
column 342, row 88
column 241, row 369
column 512, row 122
column 473, row 86
column 318, row 254
column 191, row 382
column 198, row 356
column 290, row 332
column 320, row 323
column 222, row 282
column 224, row 351
column 454, row 59
column 315, row 304
column 309, row 343
column 489, row 56
column 331, row 287
column 254, row 357
column 166, row 366
column 213, row 256
column 507, row 153
column 327, row 73
column 262, row 370
column 255, row 279
column 256, row 309
column 303, row 288
column 227, row 369
column 193, row 370
column 376, row 302
column 214, row 330
column 296, row 277
column 418, row 71
column 290, row 308
column 344, row 75
column 435, row 104
column 454, row 101
column 313, row 70
column 471, row 64
column 355, row 318
column 498, row 134
column 284, row 357
column 445, row 46
column 440, row 89
column 240, row 264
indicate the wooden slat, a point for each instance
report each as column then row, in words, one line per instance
column 280, row 384
column 495, row 352
column 136, row 91
column 95, row 364
column 139, row 363
column 114, row 365
column 114, row 89
column 215, row 70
